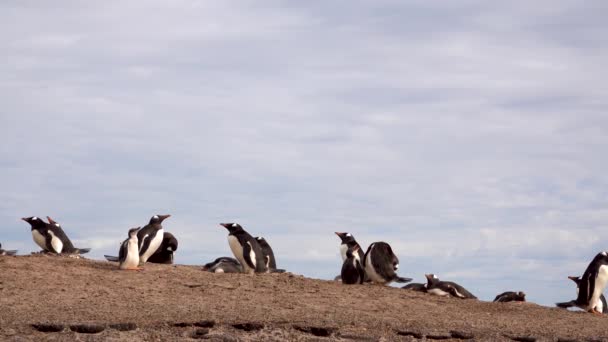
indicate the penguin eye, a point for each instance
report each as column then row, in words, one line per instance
column 155, row 217
column 34, row 218
column 234, row 225
column 348, row 234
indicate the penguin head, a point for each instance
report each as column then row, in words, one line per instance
column 346, row 237
column 52, row 222
column 34, row 221
column 261, row 241
column 521, row 295
column 232, row 227
column 133, row 232
column 158, row 219
column 431, row 279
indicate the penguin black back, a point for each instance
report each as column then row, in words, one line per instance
column 419, row 287
column 510, row 296
column 5, row 252
column 269, row 259
column 223, row 265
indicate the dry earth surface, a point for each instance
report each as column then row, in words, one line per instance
column 59, row 298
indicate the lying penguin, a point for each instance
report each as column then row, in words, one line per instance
column 223, row 265
column 381, row 264
column 5, row 252
column 446, row 288
column 419, row 287
column 510, row 296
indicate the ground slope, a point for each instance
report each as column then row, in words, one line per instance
column 71, row 297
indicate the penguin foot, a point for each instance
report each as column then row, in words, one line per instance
column 139, row 269
column 595, row 312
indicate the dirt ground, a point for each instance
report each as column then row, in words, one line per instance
column 58, row 298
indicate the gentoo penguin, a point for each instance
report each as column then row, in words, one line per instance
column 348, row 241
column 128, row 255
column 601, row 305
column 415, row 287
column 57, row 238
column 446, row 288
column 150, row 237
column 269, row 259
column 39, row 230
column 352, row 269
column 510, row 296
column 5, row 252
column 245, row 248
column 591, row 285
column 381, row 264
column 164, row 254
column 223, row 265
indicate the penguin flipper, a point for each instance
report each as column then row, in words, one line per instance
column 82, row 250
column 247, row 249
column 566, row 305
column 402, row 279
column 111, row 258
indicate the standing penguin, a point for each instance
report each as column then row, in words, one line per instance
column 39, row 230
column 5, row 252
column 510, row 296
column 348, row 241
column 164, row 254
column 150, row 237
column 352, row 269
column 446, row 288
column 223, row 265
column 269, row 259
column 57, row 238
column 591, row 285
column 601, row 305
column 245, row 248
column 381, row 264
column 128, row 255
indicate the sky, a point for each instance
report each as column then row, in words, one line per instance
column 469, row 135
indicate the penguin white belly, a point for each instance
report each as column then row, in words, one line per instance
column 343, row 249
column 599, row 307
column 132, row 259
column 370, row 271
column 438, row 292
column 237, row 250
column 39, row 239
column 56, row 243
column 598, row 289
column 154, row 244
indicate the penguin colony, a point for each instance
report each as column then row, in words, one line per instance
column 377, row 265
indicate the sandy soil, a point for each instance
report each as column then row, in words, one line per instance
column 57, row 298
